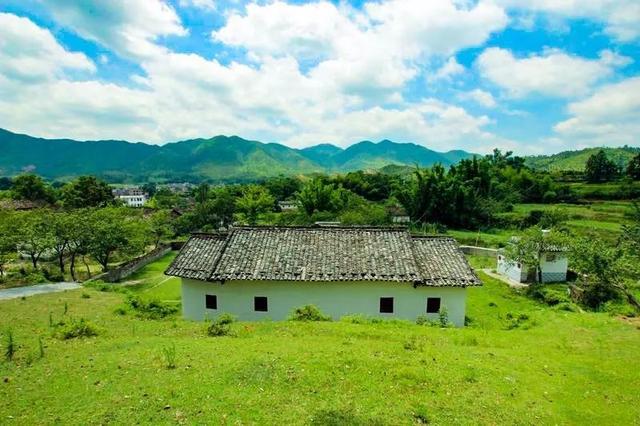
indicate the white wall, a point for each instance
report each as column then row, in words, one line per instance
column 552, row 271
column 333, row 298
column 511, row 269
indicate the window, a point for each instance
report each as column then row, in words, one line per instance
column 260, row 304
column 433, row 305
column 211, row 301
column 386, row 305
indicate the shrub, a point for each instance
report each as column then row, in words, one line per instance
column 443, row 317
column 169, row 353
column 10, row 346
column 308, row 313
column 548, row 295
column 516, row 321
column 52, row 275
column 72, row 329
column 151, row 308
column 221, row 326
column 85, row 295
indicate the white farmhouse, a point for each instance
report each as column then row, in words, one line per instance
column 553, row 266
column 258, row 273
column 132, row 197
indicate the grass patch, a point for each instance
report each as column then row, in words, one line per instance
column 556, row 367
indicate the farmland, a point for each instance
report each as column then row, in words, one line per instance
column 517, row 361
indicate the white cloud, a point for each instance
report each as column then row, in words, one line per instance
column 128, row 27
column 447, row 71
column 608, row 117
column 554, row 73
column 30, row 53
column 353, row 93
column 481, row 97
column 621, row 18
column 199, row 4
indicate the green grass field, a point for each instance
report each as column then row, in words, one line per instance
column 551, row 367
column 151, row 281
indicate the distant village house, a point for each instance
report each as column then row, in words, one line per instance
column 258, row 273
column 132, row 197
column 553, row 266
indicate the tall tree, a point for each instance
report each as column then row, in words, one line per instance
column 31, row 187
column 160, row 226
column 8, row 241
column 35, row 234
column 255, row 200
column 633, row 168
column 114, row 230
column 599, row 168
column 315, row 196
column 201, row 193
column 87, row 191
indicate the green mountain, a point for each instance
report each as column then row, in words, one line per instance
column 369, row 155
column 576, row 160
column 220, row 158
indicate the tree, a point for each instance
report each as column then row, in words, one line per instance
column 114, row 230
column 61, row 227
column 599, row 168
column 201, row 193
column 529, row 248
column 605, row 270
column 31, row 187
column 255, row 200
column 34, row 234
column 7, row 240
column 5, row 183
column 87, row 191
column 160, row 226
column 80, row 237
column 150, row 188
column 315, row 195
column 633, row 168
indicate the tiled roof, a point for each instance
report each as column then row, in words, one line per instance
column 324, row 254
column 198, row 256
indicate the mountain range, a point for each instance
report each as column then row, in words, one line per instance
column 233, row 159
column 220, row 158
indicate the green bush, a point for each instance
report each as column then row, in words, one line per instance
column 151, row 308
column 548, row 295
column 517, row 321
column 308, row 313
column 9, row 346
column 221, row 326
column 72, row 329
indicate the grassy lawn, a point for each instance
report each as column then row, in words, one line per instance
column 554, row 367
column 151, row 281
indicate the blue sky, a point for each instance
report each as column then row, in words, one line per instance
column 534, row 77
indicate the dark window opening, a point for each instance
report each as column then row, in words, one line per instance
column 386, row 305
column 433, row 305
column 211, row 301
column 260, row 304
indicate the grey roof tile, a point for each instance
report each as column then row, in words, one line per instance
column 323, row 254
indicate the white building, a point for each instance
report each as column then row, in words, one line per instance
column 553, row 266
column 259, row 273
column 132, row 197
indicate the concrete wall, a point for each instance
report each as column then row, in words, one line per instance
column 122, row 271
column 511, row 270
column 333, row 298
column 479, row 251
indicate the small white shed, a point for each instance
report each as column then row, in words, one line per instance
column 553, row 266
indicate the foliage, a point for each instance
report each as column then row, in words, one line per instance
column 316, row 196
column 160, row 226
column 71, row 328
column 169, row 353
column 633, row 167
column 86, row 191
column 282, row 187
column 9, row 346
column 34, row 234
column 604, row 271
column 115, row 230
column 221, row 326
column 599, row 168
column 151, row 308
column 548, row 294
column 255, row 200
column 308, row 313
column 33, row 188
